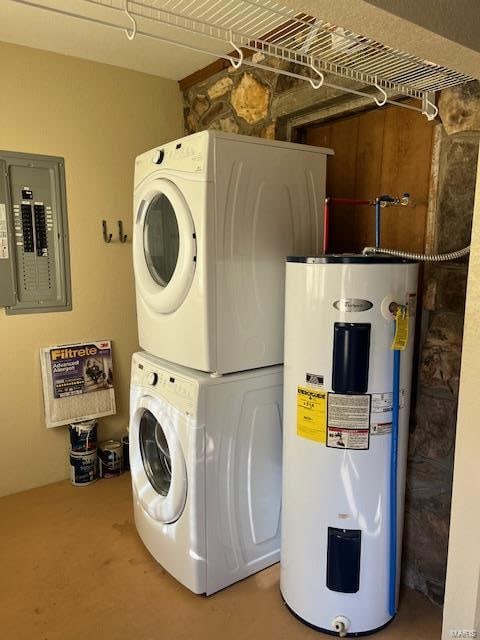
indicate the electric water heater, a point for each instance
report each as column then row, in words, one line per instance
column 349, row 333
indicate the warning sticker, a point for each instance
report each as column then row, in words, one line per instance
column 311, row 414
column 314, row 379
column 3, row 233
column 347, row 438
column 380, row 428
column 400, row 339
column 348, row 421
column 382, row 402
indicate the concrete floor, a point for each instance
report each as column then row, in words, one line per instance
column 72, row 567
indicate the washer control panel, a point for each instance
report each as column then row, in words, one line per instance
column 152, row 378
column 178, row 391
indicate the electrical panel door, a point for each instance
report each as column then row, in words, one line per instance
column 37, row 265
column 7, row 273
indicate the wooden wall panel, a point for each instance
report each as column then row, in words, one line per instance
column 382, row 151
column 369, row 161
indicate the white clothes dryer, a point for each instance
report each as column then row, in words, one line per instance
column 215, row 215
column 205, row 459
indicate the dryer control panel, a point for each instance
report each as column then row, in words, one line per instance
column 188, row 156
column 34, row 259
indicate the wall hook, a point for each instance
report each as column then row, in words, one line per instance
column 316, row 84
column 429, row 108
column 121, row 236
column 107, row 237
column 236, row 64
column 130, row 35
column 380, row 102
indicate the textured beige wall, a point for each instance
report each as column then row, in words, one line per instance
column 98, row 118
column 462, row 595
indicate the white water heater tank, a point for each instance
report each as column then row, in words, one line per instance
column 340, row 551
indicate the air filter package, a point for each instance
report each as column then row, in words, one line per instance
column 77, row 382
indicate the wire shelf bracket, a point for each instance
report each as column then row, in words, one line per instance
column 316, row 50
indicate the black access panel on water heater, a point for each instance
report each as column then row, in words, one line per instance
column 34, row 254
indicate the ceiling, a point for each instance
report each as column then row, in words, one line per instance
column 427, row 34
column 35, row 27
column 441, row 31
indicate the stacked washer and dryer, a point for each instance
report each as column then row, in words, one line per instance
column 215, row 215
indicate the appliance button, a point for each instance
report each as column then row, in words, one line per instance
column 152, row 378
column 158, row 156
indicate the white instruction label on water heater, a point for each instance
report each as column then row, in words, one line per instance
column 348, row 421
column 382, row 402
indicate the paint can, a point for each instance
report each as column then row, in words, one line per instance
column 126, row 452
column 83, row 468
column 110, row 459
column 83, row 436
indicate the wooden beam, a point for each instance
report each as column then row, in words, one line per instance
column 202, row 74
column 211, row 69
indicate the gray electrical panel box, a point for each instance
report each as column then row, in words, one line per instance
column 34, row 256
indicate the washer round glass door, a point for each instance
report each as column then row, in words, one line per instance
column 156, row 457
column 164, row 245
column 157, row 462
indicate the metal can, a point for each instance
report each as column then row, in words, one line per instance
column 110, row 459
column 83, row 468
column 126, row 452
column 83, row 436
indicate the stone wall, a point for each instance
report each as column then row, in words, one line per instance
column 235, row 101
column 430, row 464
column 254, row 102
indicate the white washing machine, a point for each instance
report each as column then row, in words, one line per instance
column 215, row 215
column 205, row 459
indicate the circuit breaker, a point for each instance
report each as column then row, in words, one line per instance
column 34, row 255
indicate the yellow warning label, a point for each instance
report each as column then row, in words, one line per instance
column 401, row 329
column 312, row 414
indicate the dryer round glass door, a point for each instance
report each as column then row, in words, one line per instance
column 157, row 463
column 161, row 239
column 164, row 246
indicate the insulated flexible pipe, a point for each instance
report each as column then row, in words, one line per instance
column 420, row 257
column 392, row 596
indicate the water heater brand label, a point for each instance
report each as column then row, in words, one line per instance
column 311, row 414
column 352, row 304
column 348, row 421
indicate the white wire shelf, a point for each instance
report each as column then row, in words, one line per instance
column 278, row 31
